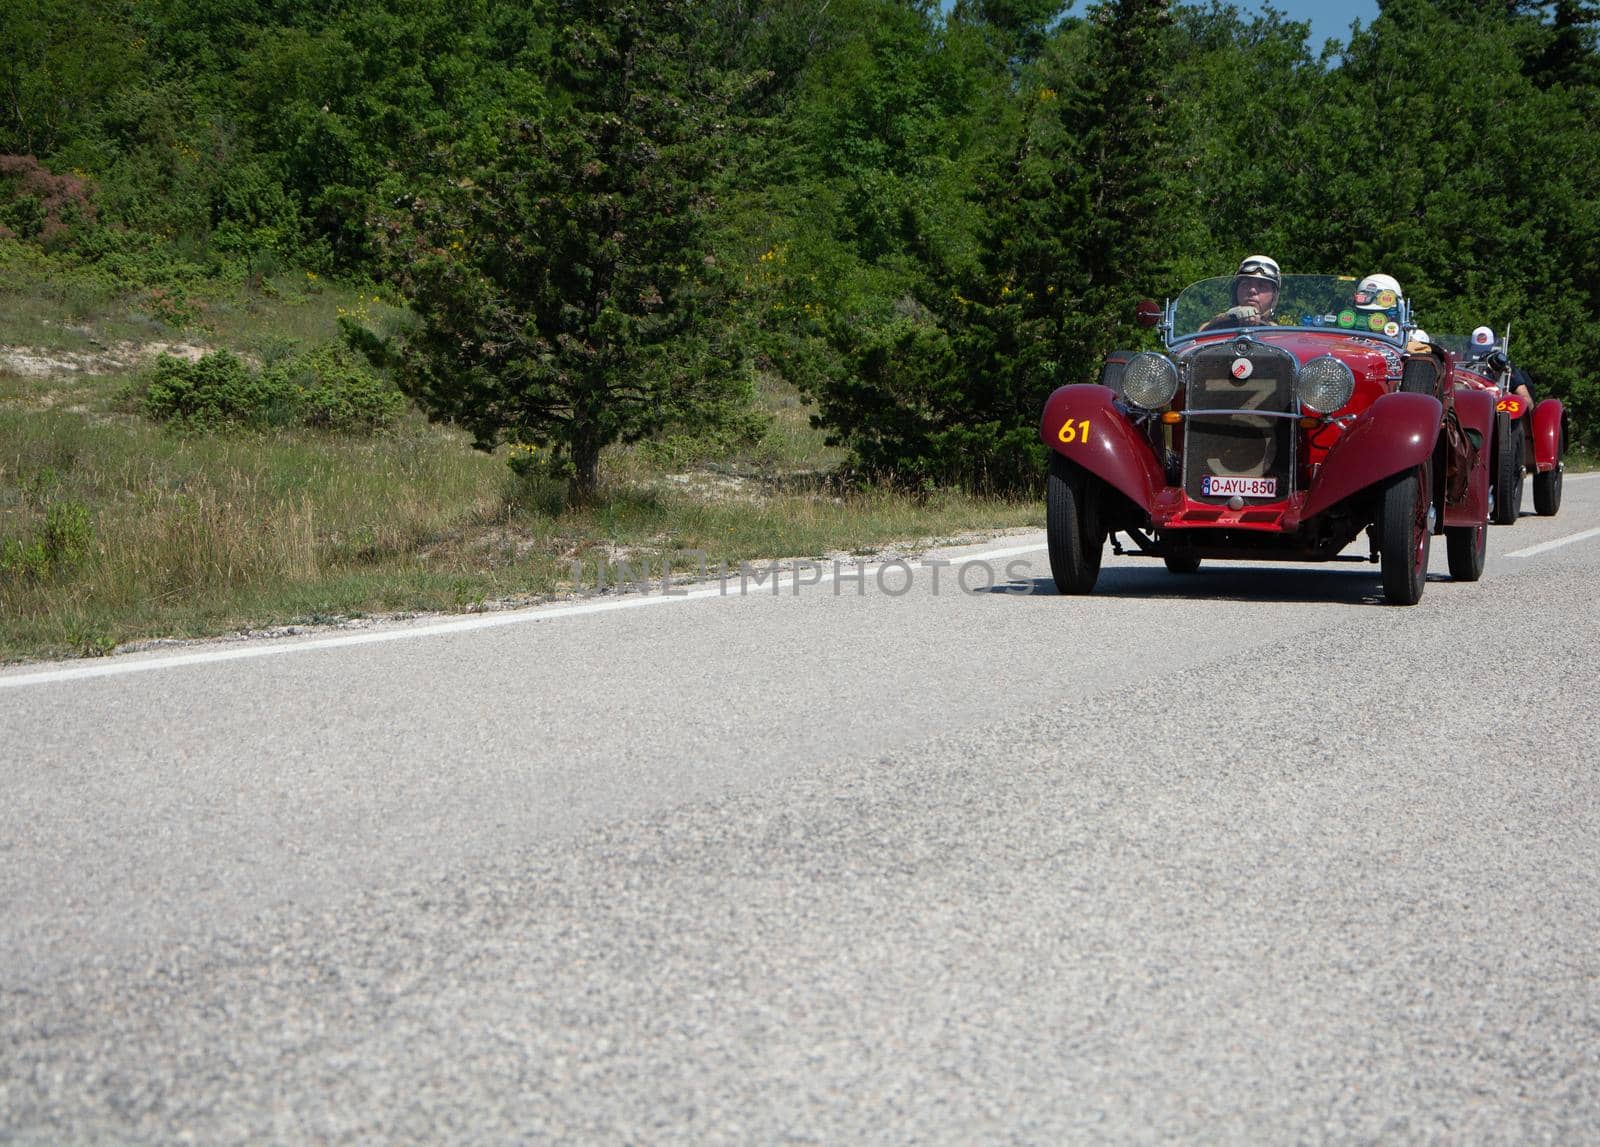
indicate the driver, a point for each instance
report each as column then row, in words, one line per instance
column 1254, row 292
column 1486, row 349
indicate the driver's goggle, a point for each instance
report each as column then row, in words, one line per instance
column 1258, row 270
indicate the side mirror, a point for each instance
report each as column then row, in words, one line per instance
column 1147, row 313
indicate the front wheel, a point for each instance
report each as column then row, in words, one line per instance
column 1403, row 537
column 1547, row 492
column 1073, row 532
column 1466, row 547
column 1507, row 470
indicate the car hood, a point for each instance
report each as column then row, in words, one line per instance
column 1369, row 359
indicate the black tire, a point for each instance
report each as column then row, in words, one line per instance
column 1182, row 565
column 1466, row 546
column 1403, row 537
column 1075, row 537
column 1547, row 492
column 1507, row 470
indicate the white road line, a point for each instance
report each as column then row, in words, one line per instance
column 136, row 663
column 1543, row 546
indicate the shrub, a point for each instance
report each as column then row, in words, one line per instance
column 326, row 387
column 217, row 390
column 39, row 206
column 334, row 389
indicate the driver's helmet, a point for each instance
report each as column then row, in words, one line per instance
column 1377, row 305
column 1262, row 267
column 1483, row 341
column 1418, row 338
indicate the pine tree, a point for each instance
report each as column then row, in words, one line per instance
column 563, row 289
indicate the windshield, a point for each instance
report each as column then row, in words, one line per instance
column 1316, row 301
column 1463, row 347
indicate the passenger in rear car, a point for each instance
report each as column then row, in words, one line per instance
column 1485, row 348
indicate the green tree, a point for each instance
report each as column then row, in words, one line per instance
column 1077, row 219
column 61, row 59
column 565, row 287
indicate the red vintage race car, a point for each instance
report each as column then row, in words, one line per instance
column 1277, row 436
column 1529, row 436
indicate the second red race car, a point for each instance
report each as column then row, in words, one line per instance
column 1529, row 434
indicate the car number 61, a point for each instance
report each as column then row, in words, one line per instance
column 1074, row 432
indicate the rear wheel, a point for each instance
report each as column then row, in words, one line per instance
column 1073, row 532
column 1547, row 492
column 1466, row 546
column 1182, row 564
column 1507, row 470
column 1403, row 537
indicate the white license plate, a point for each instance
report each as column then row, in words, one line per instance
column 1218, row 486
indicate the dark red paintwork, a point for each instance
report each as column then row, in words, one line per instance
column 1115, row 450
column 1546, row 436
column 1395, row 433
column 1343, row 458
column 1540, row 423
column 1476, row 412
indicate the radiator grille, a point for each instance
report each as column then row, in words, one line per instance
column 1239, row 442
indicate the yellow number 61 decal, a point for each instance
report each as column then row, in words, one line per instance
column 1074, row 432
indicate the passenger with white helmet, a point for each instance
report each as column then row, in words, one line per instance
column 1377, row 306
column 1254, row 293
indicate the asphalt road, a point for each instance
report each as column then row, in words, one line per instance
column 1243, row 856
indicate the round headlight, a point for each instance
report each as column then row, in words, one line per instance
column 1326, row 384
column 1149, row 380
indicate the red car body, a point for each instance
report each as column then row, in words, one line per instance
column 1296, row 483
column 1529, row 439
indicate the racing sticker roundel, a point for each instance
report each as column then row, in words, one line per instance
column 1391, row 329
column 1347, row 318
column 1376, row 322
column 1241, row 368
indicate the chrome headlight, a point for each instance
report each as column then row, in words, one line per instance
column 1326, row 384
column 1149, row 380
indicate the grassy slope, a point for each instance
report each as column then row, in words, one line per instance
column 117, row 529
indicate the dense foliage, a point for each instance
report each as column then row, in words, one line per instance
column 924, row 214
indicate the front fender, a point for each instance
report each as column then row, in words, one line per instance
column 1082, row 423
column 1546, row 432
column 1391, row 436
column 1475, row 411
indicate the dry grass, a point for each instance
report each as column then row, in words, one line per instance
column 114, row 530
column 191, row 535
